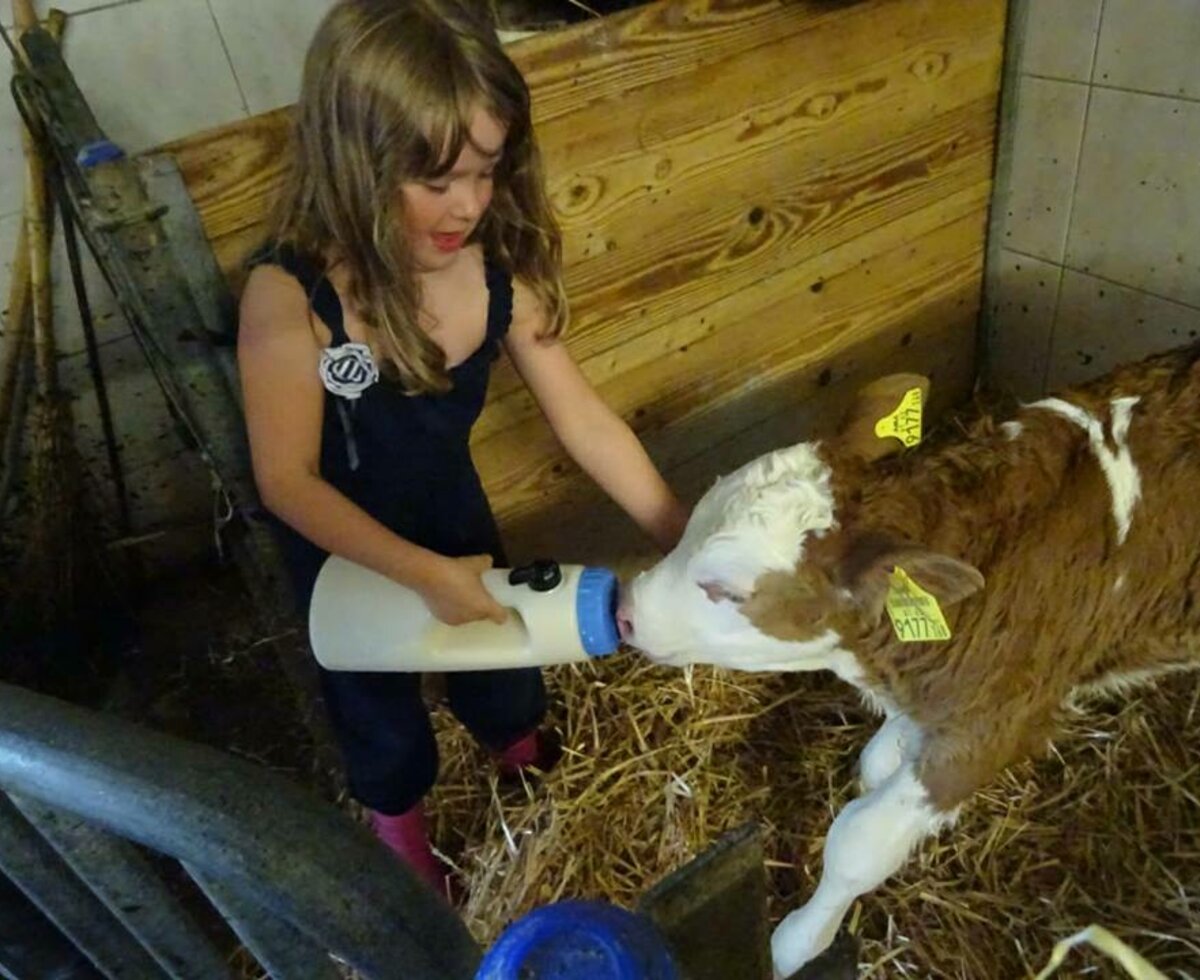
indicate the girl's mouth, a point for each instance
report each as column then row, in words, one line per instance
column 448, row 243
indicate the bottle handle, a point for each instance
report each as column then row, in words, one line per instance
column 542, row 575
column 512, row 588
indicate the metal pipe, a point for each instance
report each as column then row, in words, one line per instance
column 119, row 875
column 33, row 866
column 279, row 947
column 303, row 860
column 30, row 944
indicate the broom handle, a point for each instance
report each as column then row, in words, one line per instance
column 37, row 233
column 23, row 16
column 19, row 325
column 45, row 364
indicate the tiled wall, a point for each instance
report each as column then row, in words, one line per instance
column 153, row 71
column 1097, row 257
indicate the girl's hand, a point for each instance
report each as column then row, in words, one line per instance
column 670, row 527
column 455, row 593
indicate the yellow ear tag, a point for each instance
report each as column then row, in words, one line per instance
column 915, row 614
column 905, row 422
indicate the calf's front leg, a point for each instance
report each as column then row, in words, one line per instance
column 898, row 740
column 868, row 842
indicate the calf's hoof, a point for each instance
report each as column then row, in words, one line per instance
column 838, row 962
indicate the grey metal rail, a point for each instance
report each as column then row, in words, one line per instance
column 122, row 878
column 280, row 859
column 31, row 946
column 36, row 869
column 278, row 946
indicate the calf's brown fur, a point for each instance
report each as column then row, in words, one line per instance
column 1062, row 607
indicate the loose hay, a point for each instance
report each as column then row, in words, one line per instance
column 660, row 762
column 1106, row 942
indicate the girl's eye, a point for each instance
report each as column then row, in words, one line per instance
column 437, row 188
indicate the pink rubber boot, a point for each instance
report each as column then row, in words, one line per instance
column 540, row 749
column 407, row 834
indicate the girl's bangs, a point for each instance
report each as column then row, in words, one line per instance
column 448, row 127
column 448, row 119
column 445, row 135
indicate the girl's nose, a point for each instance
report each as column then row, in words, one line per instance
column 469, row 202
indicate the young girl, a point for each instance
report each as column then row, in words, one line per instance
column 412, row 240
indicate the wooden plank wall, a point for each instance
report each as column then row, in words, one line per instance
column 766, row 203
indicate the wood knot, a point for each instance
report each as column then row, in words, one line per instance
column 580, row 194
column 930, row 66
column 821, row 106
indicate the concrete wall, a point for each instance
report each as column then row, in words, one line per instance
column 1096, row 257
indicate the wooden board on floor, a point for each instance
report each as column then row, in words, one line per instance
column 764, row 203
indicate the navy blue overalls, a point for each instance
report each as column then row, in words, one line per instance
column 405, row 460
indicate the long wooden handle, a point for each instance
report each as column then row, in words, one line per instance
column 37, row 231
column 23, row 15
column 16, row 332
column 18, row 325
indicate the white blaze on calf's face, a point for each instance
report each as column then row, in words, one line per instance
column 686, row 609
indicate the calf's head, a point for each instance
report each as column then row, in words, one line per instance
column 766, row 577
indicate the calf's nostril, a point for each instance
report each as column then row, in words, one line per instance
column 624, row 625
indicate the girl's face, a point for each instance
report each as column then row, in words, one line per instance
column 441, row 213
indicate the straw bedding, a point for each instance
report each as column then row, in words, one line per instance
column 659, row 762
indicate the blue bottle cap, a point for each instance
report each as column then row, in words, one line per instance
column 577, row 940
column 596, row 611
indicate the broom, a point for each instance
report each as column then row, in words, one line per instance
column 13, row 376
column 59, row 550
column 18, row 351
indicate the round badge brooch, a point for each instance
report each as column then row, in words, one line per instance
column 348, row 370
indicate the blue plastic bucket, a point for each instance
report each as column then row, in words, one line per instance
column 579, row 940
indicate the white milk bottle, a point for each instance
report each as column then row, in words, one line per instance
column 361, row 620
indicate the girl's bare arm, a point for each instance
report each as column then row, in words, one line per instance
column 596, row 437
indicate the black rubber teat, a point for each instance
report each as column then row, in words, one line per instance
column 542, row 575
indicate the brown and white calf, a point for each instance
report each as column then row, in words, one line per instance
column 1063, row 547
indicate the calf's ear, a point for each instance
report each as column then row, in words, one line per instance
column 726, row 569
column 858, row 434
column 869, row 561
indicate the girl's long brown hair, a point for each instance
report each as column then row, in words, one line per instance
column 388, row 92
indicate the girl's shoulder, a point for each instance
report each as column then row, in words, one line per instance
column 271, row 291
column 275, row 303
column 284, row 291
column 529, row 319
